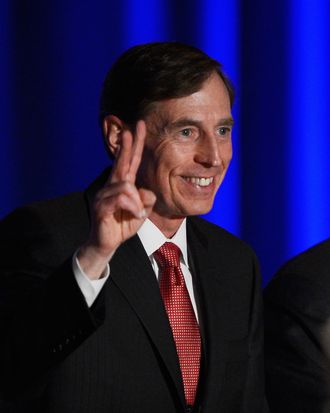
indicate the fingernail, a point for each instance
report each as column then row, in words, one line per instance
column 143, row 213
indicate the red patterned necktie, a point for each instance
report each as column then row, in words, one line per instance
column 181, row 316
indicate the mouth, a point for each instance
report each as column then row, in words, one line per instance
column 199, row 181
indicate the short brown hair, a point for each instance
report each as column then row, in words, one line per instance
column 153, row 72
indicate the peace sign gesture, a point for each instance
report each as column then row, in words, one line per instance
column 119, row 208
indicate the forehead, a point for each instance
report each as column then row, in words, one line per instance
column 210, row 101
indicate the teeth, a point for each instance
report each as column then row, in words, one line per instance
column 200, row 181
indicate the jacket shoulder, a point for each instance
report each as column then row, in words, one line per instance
column 315, row 260
column 304, row 281
column 69, row 207
column 49, row 230
column 220, row 237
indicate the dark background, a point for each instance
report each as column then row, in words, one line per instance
column 53, row 59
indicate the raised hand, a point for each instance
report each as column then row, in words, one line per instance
column 119, row 207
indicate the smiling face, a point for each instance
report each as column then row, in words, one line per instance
column 187, row 151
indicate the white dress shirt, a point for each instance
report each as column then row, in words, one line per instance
column 152, row 239
column 89, row 288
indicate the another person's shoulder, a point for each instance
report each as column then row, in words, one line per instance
column 313, row 262
column 303, row 279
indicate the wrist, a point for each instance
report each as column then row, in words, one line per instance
column 93, row 262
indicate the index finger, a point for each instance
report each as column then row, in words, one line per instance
column 122, row 162
column 137, row 150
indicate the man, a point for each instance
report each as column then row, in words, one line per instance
column 297, row 331
column 119, row 299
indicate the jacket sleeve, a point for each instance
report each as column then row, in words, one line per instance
column 43, row 313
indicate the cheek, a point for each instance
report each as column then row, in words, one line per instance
column 230, row 155
column 227, row 153
column 170, row 160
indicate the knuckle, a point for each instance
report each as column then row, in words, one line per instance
column 127, row 187
column 128, row 176
column 121, row 199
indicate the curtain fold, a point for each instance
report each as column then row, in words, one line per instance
column 53, row 59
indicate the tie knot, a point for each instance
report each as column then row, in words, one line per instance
column 168, row 255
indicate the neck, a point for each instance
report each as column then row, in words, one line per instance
column 168, row 226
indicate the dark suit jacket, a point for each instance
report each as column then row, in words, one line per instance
column 59, row 356
column 297, row 334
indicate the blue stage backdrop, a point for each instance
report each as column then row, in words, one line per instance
column 54, row 56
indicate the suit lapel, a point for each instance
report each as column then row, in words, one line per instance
column 132, row 273
column 207, row 286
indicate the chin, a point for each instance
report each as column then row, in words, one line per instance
column 198, row 210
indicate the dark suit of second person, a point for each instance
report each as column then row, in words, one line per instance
column 297, row 330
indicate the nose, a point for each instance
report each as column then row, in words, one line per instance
column 208, row 152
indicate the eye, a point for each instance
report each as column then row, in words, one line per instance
column 186, row 132
column 224, row 130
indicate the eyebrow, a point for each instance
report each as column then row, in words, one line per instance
column 188, row 121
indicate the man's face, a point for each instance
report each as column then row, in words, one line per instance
column 187, row 150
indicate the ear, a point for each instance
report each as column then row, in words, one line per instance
column 112, row 130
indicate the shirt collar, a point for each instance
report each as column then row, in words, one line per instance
column 152, row 238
